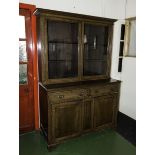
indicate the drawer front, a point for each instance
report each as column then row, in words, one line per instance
column 62, row 96
column 100, row 90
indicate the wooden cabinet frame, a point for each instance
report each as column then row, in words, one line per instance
column 43, row 16
column 109, row 51
column 54, row 118
column 85, row 114
column 75, row 97
column 104, row 97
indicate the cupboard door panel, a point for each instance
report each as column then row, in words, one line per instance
column 87, row 115
column 67, row 119
column 103, row 110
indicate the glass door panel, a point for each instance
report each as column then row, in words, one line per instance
column 91, row 67
column 22, row 51
column 62, row 49
column 23, row 60
column 95, row 49
column 22, row 73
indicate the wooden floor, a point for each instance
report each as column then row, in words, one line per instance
column 106, row 142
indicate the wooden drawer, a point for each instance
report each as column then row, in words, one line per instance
column 62, row 96
column 100, row 90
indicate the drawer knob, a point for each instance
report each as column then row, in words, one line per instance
column 60, row 96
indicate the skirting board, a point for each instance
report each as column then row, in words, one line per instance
column 126, row 127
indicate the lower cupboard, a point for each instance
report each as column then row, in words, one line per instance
column 71, row 111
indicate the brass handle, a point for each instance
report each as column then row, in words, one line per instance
column 60, row 96
column 81, row 94
column 82, row 91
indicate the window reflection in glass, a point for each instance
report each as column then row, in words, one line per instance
column 62, row 49
column 95, row 49
column 22, row 73
column 22, row 51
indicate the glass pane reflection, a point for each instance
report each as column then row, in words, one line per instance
column 22, row 73
column 22, row 51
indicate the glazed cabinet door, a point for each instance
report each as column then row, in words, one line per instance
column 96, row 52
column 62, row 49
column 66, row 119
column 104, row 110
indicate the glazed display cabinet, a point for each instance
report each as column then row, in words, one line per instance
column 74, row 58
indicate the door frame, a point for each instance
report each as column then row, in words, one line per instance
column 33, row 49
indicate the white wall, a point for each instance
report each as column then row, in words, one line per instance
column 89, row 7
column 114, row 9
column 102, row 8
column 128, row 75
column 130, row 8
column 128, row 87
column 127, row 103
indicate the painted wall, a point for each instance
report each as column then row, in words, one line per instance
column 128, row 77
column 128, row 87
column 101, row 8
column 130, row 8
column 127, row 103
column 116, row 9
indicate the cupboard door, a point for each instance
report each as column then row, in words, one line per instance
column 103, row 110
column 67, row 119
column 95, row 49
column 62, row 43
column 87, row 115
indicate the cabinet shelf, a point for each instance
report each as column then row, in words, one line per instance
column 92, row 44
column 98, row 60
column 62, row 42
column 59, row 60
